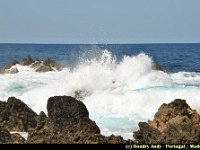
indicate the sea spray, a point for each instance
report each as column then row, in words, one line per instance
column 119, row 94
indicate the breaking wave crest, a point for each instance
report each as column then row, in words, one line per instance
column 118, row 94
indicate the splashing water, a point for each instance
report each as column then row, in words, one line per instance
column 118, row 94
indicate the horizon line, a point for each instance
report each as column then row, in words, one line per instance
column 100, row 43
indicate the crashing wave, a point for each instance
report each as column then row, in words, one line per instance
column 118, row 94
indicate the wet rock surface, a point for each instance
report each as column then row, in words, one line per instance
column 17, row 139
column 174, row 123
column 5, row 136
column 68, row 122
column 16, row 115
column 157, row 67
column 37, row 65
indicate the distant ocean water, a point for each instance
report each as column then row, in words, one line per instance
column 173, row 57
column 121, row 88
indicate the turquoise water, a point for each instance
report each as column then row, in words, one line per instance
column 121, row 87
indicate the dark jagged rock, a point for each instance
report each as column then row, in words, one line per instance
column 14, row 62
column 16, row 116
column 68, row 113
column 174, row 123
column 37, row 65
column 157, row 67
column 146, row 134
column 27, row 61
column 5, row 136
column 68, row 122
column 41, row 120
column 183, row 133
column 17, row 139
column 175, row 112
column 43, row 68
column 115, row 139
column 71, row 107
column 51, row 63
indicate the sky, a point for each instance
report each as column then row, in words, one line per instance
column 99, row 21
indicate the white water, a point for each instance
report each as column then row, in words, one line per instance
column 119, row 94
column 23, row 134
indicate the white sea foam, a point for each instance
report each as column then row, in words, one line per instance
column 186, row 78
column 120, row 93
column 23, row 134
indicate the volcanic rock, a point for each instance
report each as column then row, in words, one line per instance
column 174, row 123
column 5, row 136
column 17, row 139
column 37, row 65
column 68, row 122
column 41, row 120
column 27, row 61
column 157, row 67
column 17, row 116
column 43, row 68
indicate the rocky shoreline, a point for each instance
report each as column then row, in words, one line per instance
column 42, row 66
column 174, row 123
column 36, row 65
column 67, row 122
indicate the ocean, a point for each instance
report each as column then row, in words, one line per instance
column 119, row 86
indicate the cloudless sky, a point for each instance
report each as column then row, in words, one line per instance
column 99, row 21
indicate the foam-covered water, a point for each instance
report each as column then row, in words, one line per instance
column 119, row 93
